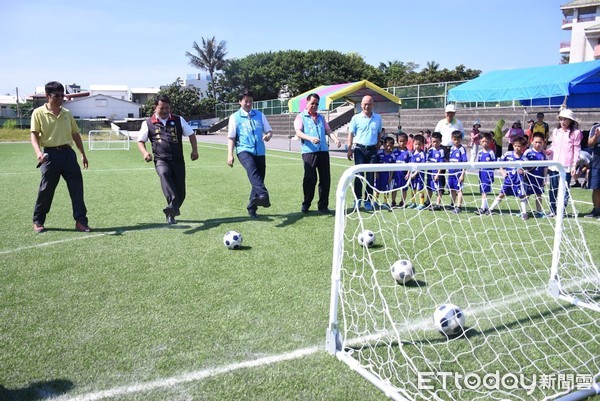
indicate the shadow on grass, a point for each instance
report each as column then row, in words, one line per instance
column 212, row 223
column 41, row 390
column 115, row 230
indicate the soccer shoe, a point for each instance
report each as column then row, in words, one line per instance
column 437, row 207
column 304, row 209
column 594, row 214
column 171, row 219
column 386, row 207
column 481, row 211
column 539, row 215
column 324, row 211
column 456, row 210
column 252, row 214
column 368, row 206
column 525, row 216
column 421, row 207
column 82, row 227
column 38, row 228
column 411, row 206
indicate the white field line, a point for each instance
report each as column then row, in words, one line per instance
column 421, row 324
column 43, row 244
column 192, row 376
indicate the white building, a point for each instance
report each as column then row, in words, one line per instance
column 103, row 106
column 142, row 95
column 7, row 104
column 582, row 18
column 117, row 91
column 199, row 82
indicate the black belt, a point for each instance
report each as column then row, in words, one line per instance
column 369, row 147
column 61, row 147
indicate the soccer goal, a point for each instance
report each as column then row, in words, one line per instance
column 107, row 140
column 529, row 291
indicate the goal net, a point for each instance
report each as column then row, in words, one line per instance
column 528, row 289
column 108, row 140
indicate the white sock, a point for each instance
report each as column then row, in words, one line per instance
column 523, row 206
column 495, row 203
column 484, row 204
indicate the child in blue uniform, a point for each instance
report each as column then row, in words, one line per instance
column 456, row 177
column 486, row 175
column 400, row 178
column 435, row 154
column 383, row 179
column 513, row 178
column 534, row 177
column 417, row 182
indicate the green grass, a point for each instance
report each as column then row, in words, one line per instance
column 136, row 301
column 13, row 134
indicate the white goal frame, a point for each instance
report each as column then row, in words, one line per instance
column 338, row 346
column 112, row 140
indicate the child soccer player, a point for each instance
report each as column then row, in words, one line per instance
column 486, row 175
column 435, row 154
column 384, row 178
column 400, row 178
column 456, row 177
column 416, row 179
column 513, row 178
column 534, row 177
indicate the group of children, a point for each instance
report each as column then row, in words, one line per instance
column 430, row 184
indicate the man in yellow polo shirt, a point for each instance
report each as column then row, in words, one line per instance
column 53, row 130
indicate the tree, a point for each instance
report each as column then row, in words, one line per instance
column 210, row 57
column 294, row 71
column 185, row 101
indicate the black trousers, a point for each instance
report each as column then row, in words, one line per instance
column 61, row 163
column 316, row 163
column 256, row 169
column 172, row 181
column 363, row 155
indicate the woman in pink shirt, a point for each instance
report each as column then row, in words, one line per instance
column 565, row 148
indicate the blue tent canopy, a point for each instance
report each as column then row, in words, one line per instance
column 578, row 82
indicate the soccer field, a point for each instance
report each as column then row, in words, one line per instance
column 138, row 310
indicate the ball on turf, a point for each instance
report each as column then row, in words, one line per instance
column 232, row 240
column 366, row 238
column 449, row 319
column 403, row 271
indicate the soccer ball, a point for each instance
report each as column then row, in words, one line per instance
column 449, row 319
column 366, row 238
column 403, row 271
column 232, row 240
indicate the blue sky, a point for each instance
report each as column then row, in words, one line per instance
column 143, row 43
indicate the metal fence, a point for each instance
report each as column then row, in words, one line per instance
column 422, row 96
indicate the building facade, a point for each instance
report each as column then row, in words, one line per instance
column 582, row 18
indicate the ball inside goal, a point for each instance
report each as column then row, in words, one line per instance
column 403, row 271
column 232, row 240
column 366, row 238
column 449, row 319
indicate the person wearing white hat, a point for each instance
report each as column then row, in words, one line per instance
column 448, row 125
column 565, row 148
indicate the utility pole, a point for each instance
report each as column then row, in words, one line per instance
column 19, row 109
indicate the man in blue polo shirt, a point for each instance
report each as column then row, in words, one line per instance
column 365, row 134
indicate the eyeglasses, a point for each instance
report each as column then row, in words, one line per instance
column 57, row 95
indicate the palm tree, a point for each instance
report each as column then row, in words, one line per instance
column 210, row 57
